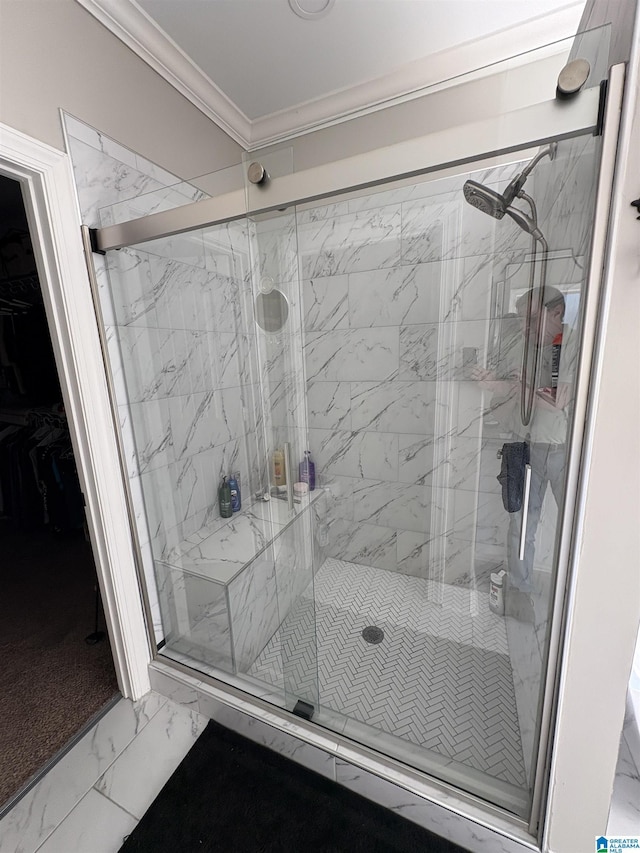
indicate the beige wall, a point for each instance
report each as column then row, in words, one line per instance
column 54, row 54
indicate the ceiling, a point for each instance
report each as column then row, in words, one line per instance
column 264, row 73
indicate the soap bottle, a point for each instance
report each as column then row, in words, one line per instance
column 224, row 499
column 496, row 592
column 234, row 486
column 279, row 473
column 307, row 471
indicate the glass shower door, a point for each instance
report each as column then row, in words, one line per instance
column 202, row 364
column 432, row 603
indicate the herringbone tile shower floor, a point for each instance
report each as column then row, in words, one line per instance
column 440, row 678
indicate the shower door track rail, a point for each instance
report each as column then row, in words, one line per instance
column 445, row 149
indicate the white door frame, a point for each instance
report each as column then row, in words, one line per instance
column 54, row 221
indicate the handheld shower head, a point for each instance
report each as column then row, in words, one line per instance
column 485, row 199
column 491, row 202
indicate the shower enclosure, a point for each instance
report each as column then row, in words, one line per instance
column 370, row 313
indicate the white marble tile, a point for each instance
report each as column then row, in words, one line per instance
column 205, row 420
column 393, row 406
column 253, row 604
column 352, row 355
column 416, row 459
column 366, row 240
column 435, row 351
column 325, row 303
column 135, row 779
column 291, row 747
column 185, row 695
column 223, row 553
column 96, row 824
column 396, row 296
column 103, row 180
column 197, row 613
column 413, row 553
column 176, row 287
column 526, row 664
column 624, row 816
column 153, row 436
column 44, row 807
column 438, row 819
column 143, row 373
column 396, row 505
column 163, row 510
column 329, row 405
column 365, row 544
column 275, row 244
column 178, row 360
column 352, row 454
column 132, row 288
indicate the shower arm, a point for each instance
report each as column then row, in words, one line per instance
column 528, row 390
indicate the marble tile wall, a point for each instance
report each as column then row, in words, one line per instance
column 394, row 285
column 181, row 341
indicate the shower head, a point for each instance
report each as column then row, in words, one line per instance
column 496, row 205
column 485, row 199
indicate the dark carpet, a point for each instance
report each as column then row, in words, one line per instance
column 231, row 795
column 51, row 681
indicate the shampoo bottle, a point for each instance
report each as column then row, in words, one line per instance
column 234, row 486
column 307, row 471
column 279, row 474
column 224, row 499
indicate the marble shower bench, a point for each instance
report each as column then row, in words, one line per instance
column 228, row 587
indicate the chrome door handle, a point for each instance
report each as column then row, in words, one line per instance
column 525, row 510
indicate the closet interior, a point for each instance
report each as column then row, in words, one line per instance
column 57, row 671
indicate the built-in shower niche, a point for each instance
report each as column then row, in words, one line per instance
column 226, row 590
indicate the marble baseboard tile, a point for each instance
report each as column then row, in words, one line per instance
column 287, row 745
column 183, row 694
column 469, row 834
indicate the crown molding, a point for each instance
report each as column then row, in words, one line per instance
column 131, row 24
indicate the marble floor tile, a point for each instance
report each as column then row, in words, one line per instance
column 135, row 779
column 96, row 824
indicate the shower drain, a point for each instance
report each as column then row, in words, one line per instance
column 372, row 634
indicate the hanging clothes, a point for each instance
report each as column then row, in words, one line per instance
column 39, row 484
